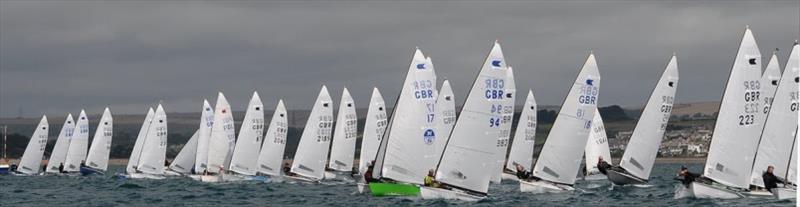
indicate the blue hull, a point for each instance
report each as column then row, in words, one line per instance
column 4, row 170
column 87, row 171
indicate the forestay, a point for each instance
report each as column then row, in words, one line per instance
column 101, row 143
column 468, row 160
column 640, row 154
column 596, row 145
column 78, row 144
column 154, row 150
column 223, row 134
column 524, row 138
column 561, row 155
column 248, row 144
column 203, row 137
column 343, row 146
column 271, row 156
column 777, row 137
column 31, row 160
column 374, row 127
column 59, row 153
column 736, row 132
column 406, row 150
column 312, row 151
column 133, row 161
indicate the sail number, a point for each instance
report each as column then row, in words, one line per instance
column 279, row 136
column 666, row 109
column 494, row 88
column 752, row 95
column 325, row 128
column 423, row 89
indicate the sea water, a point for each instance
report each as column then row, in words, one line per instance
column 110, row 191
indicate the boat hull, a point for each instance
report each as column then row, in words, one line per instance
column 785, row 193
column 5, row 169
column 758, row 193
column 145, row 176
column 595, row 177
column 623, row 178
column 541, row 186
column 440, row 193
column 340, row 176
column 87, row 171
column 701, row 190
column 507, row 176
column 393, row 189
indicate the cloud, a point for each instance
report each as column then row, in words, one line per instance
column 59, row 57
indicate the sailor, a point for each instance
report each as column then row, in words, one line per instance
column 221, row 169
column 13, row 166
column 286, row 169
column 685, row 176
column 61, row 167
column 429, row 180
column 354, row 172
column 602, row 165
column 368, row 174
column 770, row 180
column 522, row 173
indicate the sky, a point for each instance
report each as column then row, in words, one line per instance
column 59, row 57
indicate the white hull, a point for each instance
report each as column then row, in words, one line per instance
column 700, row 190
column 144, row 176
column 210, row 178
column 340, row 176
column 362, row 187
column 785, row 193
column 542, row 186
column 302, row 179
column 758, row 193
column 172, row 173
column 595, row 177
column 439, row 193
column 507, row 176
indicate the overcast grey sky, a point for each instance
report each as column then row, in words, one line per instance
column 58, row 57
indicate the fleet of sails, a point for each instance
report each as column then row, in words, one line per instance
column 426, row 138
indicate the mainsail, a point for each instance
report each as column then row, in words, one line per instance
column 271, row 156
column 154, row 150
column 101, row 143
column 736, row 132
column 374, row 127
column 203, row 137
column 524, row 137
column 343, row 145
column 560, row 157
column 640, row 154
column 250, row 137
column 445, row 115
column 507, row 120
column 222, row 132
column 78, row 144
column 596, row 145
column 133, row 161
column 31, row 160
column 59, row 153
column 312, row 151
column 185, row 159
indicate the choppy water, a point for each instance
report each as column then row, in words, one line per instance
column 108, row 191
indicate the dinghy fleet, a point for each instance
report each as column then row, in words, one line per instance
column 426, row 148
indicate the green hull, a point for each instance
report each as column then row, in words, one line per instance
column 393, row 189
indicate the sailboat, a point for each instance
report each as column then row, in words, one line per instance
column 243, row 163
column 445, row 115
column 343, row 145
column 97, row 159
column 374, row 127
column 223, row 134
column 468, row 161
column 736, row 132
column 521, row 152
column 270, row 160
column 312, row 151
column 154, row 149
column 640, row 154
column 203, row 138
column 133, row 161
column 789, row 190
column 78, row 144
column 778, row 135
column 59, row 153
column 507, row 120
column 404, row 154
column 596, row 148
column 560, row 158
column 31, row 160
column 183, row 162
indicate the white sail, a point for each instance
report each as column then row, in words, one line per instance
column 791, row 171
column 445, row 116
column 78, row 144
column 560, row 157
column 736, row 132
column 203, row 137
column 374, row 127
column 270, row 159
column 185, row 159
column 133, row 161
column 406, row 151
column 524, row 137
column 154, row 150
column 59, row 153
column 469, row 158
column 596, row 145
column 251, row 133
column 222, row 132
column 343, row 146
column 769, row 83
column 777, row 137
column 31, row 160
column 312, row 151
column 503, row 139
column 640, row 154
column 101, row 143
